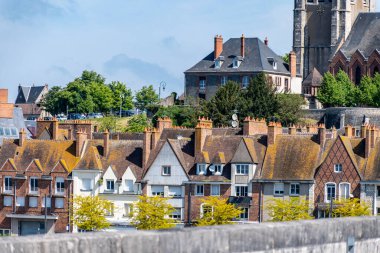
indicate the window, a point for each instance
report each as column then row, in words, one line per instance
column 7, row 201
column 86, row 184
column 378, row 190
column 337, row 168
column 7, row 184
column 236, row 63
column 218, row 64
column 241, row 191
column 215, row 189
column 205, row 209
column 20, row 201
column 128, row 185
column 245, row 81
column 127, row 210
column 344, row 190
column 278, row 189
column 33, row 185
column 5, row 232
column 158, row 190
column 110, row 185
column 223, row 80
column 294, row 189
column 48, row 202
column 330, row 192
column 166, row 170
column 199, row 190
column 59, row 203
column 202, row 83
column 242, row 169
column 218, row 169
column 175, row 191
column 33, row 201
column 59, row 185
column 176, row 214
column 378, row 211
column 244, row 214
column 111, row 211
column 287, row 85
column 201, row 169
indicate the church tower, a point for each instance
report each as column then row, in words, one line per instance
column 320, row 28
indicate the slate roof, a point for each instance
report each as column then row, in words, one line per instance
column 29, row 94
column 255, row 60
column 364, row 35
column 313, row 79
column 17, row 121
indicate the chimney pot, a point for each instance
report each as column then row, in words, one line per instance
column 242, row 46
column 266, row 41
column 106, row 140
column 218, row 46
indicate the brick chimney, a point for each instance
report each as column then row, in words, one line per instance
column 292, row 130
column 106, row 143
column 348, row 131
column 363, row 131
column 293, row 64
column 266, row 41
column 202, row 130
column 367, row 141
column 163, row 123
column 147, row 145
column 156, row 134
column 69, row 134
column 81, row 138
column 22, row 137
column 242, row 46
column 55, row 126
column 322, row 135
column 274, row 129
column 6, row 109
column 253, row 126
column 312, row 129
column 218, row 46
column 3, row 96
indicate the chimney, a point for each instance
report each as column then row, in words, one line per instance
column 253, row 126
column 163, row 123
column 367, row 142
column 292, row 130
column 156, row 134
column 3, row 96
column 242, row 46
column 22, row 137
column 218, row 46
column 55, row 126
column 293, row 64
column 95, row 128
column 363, row 131
column 266, row 41
column 147, row 145
column 69, row 134
column 80, row 141
column 322, row 135
column 202, row 130
column 106, row 142
column 348, row 131
column 312, row 129
column 334, row 132
column 274, row 129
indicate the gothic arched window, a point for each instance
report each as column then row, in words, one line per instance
column 358, row 75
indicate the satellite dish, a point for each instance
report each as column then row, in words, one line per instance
column 234, row 117
column 234, row 124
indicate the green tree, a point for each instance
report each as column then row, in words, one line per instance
column 51, row 101
column 89, row 212
column 289, row 209
column 88, row 77
column 137, row 123
column 223, row 105
column 350, row 91
column 185, row 116
column 351, row 207
column 150, row 213
column 145, row 97
column 260, row 98
column 219, row 212
column 121, row 94
column 289, row 108
column 109, row 123
column 102, row 97
column 330, row 93
column 285, row 58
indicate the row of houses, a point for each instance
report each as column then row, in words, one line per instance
column 247, row 167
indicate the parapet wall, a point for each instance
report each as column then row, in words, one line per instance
column 327, row 235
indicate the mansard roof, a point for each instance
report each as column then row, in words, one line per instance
column 30, row 94
column 256, row 58
column 364, row 35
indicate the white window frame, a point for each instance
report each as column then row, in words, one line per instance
column 202, row 209
column 166, row 170
column 338, row 168
column 127, row 187
column 340, row 192
column 202, row 84
column 158, row 193
column 217, row 188
column 198, row 193
column 294, row 193
column 90, row 184
column 127, row 209
column 8, row 202
column 35, row 189
column 218, row 64
column 241, row 191
column 48, row 202
column 244, row 214
column 326, row 187
column 112, row 182
column 242, row 169
column 30, row 202
column 174, row 193
column 223, row 80
column 57, row 203
column 8, row 180
column 20, row 201
column 5, row 232
column 278, row 189
column 245, row 82
column 177, row 214
column 201, row 169
column 59, row 185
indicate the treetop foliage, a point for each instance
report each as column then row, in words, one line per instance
column 290, row 209
column 350, row 208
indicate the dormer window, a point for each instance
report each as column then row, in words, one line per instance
column 201, row 169
column 110, row 184
column 216, row 169
column 272, row 62
column 237, row 61
column 219, row 62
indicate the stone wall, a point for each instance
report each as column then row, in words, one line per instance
column 327, row 235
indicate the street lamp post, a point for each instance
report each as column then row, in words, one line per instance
column 162, row 86
column 121, row 102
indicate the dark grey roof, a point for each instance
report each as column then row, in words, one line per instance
column 28, row 94
column 313, row 79
column 364, row 35
column 255, row 60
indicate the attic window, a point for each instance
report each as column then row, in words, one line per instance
column 237, row 61
column 219, row 62
column 272, row 62
column 201, row 169
column 216, row 169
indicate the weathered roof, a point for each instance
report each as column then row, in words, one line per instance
column 257, row 58
column 17, row 121
column 364, row 35
column 313, row 79
column 29, row 94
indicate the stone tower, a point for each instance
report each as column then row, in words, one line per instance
column 320, row 28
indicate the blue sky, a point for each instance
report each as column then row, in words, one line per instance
column 138, row 42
